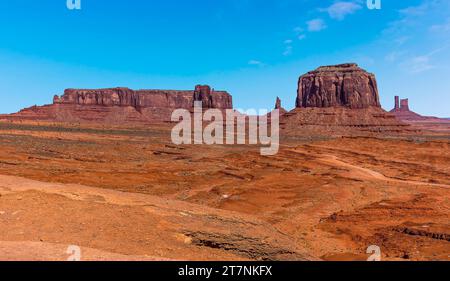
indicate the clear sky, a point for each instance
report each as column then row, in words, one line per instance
column 255, row 49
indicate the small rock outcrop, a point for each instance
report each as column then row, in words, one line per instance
column 344, row 85
column 403, row 113
column 278, row 106
column 429, row 124
column 278, row 103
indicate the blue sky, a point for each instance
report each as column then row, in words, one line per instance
column 254, row 49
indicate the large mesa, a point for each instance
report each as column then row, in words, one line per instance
column 147, row 98
column 123, row 105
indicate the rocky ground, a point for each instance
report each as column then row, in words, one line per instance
column 129, row 194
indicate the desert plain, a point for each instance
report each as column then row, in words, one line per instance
column 130, row 194
column 348, row 177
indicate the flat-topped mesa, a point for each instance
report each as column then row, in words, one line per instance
column 123, row 105
column 139, row 99
column 344, row 85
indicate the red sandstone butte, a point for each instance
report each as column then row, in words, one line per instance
column 402, row 111
column 345, row 85
column 119, row 105
column 339, row 100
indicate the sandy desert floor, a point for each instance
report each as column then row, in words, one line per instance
column 129, row 194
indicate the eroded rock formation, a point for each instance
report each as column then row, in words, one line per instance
column 147, row 98
column 403, row 113
column 123, row 105
column 345, row 85
column 278, row 106
column 339, row 100
column 278, row 103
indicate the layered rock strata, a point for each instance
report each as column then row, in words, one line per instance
column 123, row 105
column 345, row 85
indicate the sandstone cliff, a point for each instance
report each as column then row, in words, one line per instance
column 147, row 98
column 344, row 85
column 123, row 105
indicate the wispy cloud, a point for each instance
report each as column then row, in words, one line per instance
column 415, row 16
column 422, row 63
column 256, row 63
column 412, row 25
column 416, row 10
column 316, row 25
column 288, row 51
column 444, row 27
column 341, row 9
column 298, row 30
column 418, row 64
column 408, row 19
column 394, row 56
column 401, row 40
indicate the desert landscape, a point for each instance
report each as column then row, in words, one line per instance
column 97, row 169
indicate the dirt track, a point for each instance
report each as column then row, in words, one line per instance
column 368, row 174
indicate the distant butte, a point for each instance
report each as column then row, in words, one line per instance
column 345, row 85
column 339, row 100
column 425, row 123
column 334, row 100
column 403, row 112
column 123, row 105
